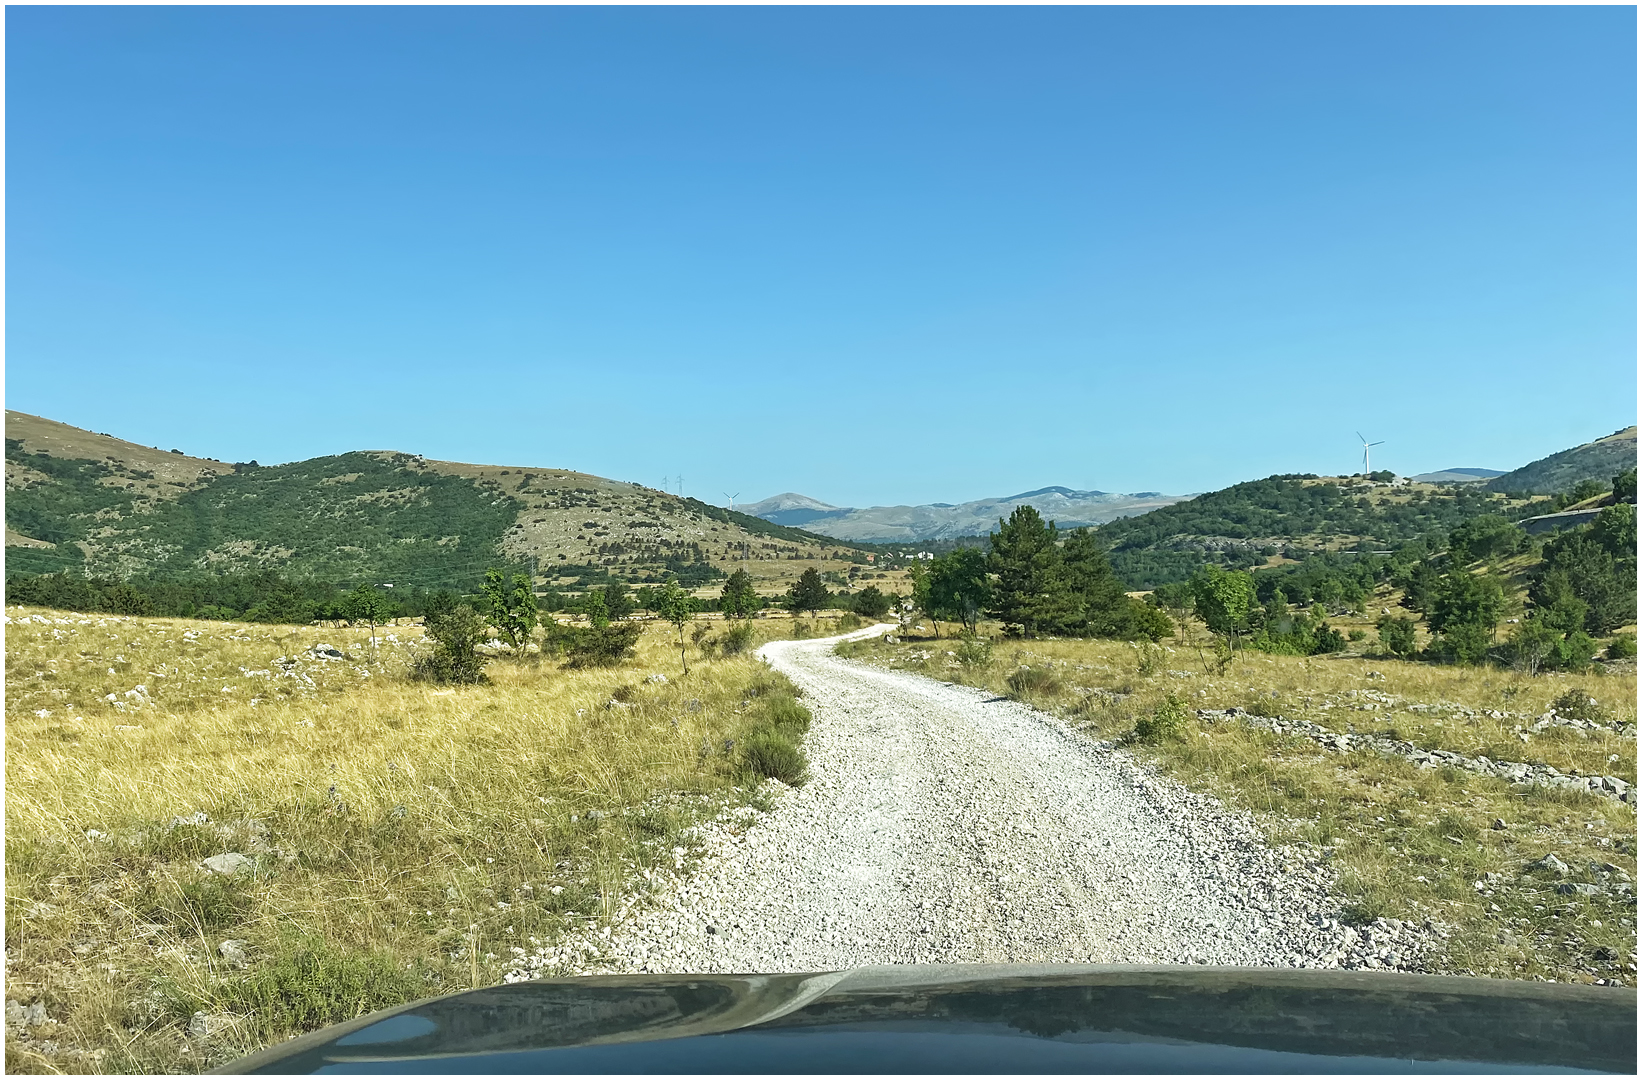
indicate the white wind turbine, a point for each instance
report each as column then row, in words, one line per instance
column 1366, row 445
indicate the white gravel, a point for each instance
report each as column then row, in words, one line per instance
column 942, row 824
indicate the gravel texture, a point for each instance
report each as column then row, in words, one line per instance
column 942, row 824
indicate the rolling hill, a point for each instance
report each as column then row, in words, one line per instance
column 1598, row 460
column 101, row 506
column 944, row 521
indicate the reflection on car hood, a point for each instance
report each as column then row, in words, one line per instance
column 989, row 1018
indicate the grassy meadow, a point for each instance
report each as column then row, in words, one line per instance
column 400, row 839
column 1445, row 845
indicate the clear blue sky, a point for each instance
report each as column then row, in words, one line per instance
column 870, row 255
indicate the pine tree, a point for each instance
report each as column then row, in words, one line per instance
column 1027, row 564
column 808, row 593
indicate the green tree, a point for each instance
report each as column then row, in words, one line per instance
column 619, row 601
column 1397, row 635
column 676, row 606
column 598, row 615
column 956, row 588
column 366, row 604
column 1624, row 486
column 1580, row 562
column 1028, row 594
column 1096, row 603
column 808, row 593
column 1224, row 601
column 871, row 602
column 739, row 599
column 511, row 607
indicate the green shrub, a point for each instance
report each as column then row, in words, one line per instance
column 786, row 715
column 736, row 640
column 1166, row 723
column 309, row 983
column 1150, row 661
column 202, row 904
column 771, row 752
column 1030, row 680
column 1622, row 647
column 1576, row 704
column 454, row 658
column 847, row 622
column 603, row 646
column 973, row 651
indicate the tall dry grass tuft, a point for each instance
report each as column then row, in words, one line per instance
column 399, row 839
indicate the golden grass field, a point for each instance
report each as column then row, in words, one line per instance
column 1409, row 842
column 405, row 837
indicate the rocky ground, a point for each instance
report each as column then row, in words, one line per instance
column 942, row 824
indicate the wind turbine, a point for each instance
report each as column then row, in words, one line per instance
column 731, row 498
column 1366, row 445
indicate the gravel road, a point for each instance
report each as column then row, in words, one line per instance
column 942, row 824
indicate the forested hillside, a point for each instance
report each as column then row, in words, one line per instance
column 1247, row 524
column 1594, row 462
column 101, row 508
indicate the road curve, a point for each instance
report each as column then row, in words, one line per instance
column 942, row 824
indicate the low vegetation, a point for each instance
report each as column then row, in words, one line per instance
column 1415, row 843
column 220, row 835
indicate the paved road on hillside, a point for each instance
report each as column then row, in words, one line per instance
column 943, row 824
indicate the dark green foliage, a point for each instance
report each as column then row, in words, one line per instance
column 1622, row 647
column 1624, row 486
column 511, row 609
column 871, row 602
column 808, row 593
column 738, row 600
column 604, row 645
column 1576, row 704
column 309, row 983
column 1397, row 635
column 455, row 632
column 199, row 904
column 973, row 651
column 1028, row 596
column 770, row 747
column 1593, row 566
column 1329, row 640
column 619, row 601
column 1484, row 537
column 955, row 587
column 359, row 516
column 1160, row 546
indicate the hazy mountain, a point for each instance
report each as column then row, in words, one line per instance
column 1553, row 475
column 937, row 521
column 1458, row 476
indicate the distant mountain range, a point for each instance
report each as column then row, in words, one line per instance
column 939, row 521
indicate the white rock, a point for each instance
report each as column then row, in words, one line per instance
column 229, row 863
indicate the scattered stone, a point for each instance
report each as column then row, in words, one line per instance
column 658, row 678
column 1571, row 888
column 206, row 1025
column 233, row 951
column 26, row 1016
column 323, row 651
column 1550, row 863
column 230, row 863
column 1605, row 955
column 1499, row 823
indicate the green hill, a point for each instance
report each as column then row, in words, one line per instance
column 1600, row 460
column 98, row 506
column 1288, row 517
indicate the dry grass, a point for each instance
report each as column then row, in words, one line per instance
column 1409, row 842
column 405, row 837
